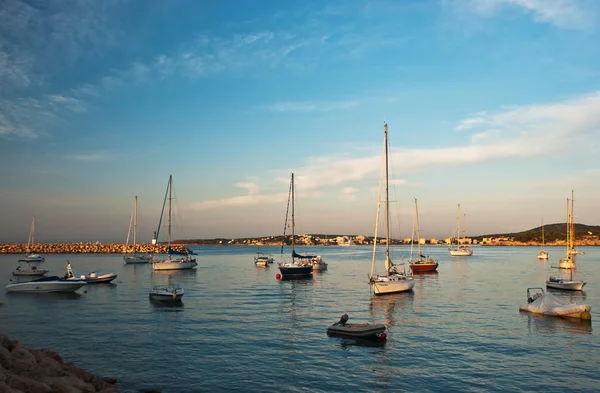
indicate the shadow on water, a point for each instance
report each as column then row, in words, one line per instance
column 44, row 296
column 167, row 305
column 175, row 273
column 537, row 323
column 348, row 342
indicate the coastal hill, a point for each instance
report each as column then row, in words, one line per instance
column 554, row 234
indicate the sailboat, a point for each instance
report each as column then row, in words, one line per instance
column 261, row 259
column 301, row 265
column 572, row 249
column 421, row 263
column 397, row 277
column 461, row 250
column 175, row 260
column 543, row 254
column 567, row 262
column 135, row 257
column 30, row 256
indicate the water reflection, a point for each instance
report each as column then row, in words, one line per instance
column 45, row 296
column 175, row 273
column 390, row 307
column 537, row 323
column 166, row 306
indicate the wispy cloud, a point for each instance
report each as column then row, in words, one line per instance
column 245, row 200
column 570, row 14
column 316, row 106
column 517, row 132
column 89, row 157
column 348, row 193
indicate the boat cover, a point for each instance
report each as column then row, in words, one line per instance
column 549, row 304
column 173, row 252
column 296, row 255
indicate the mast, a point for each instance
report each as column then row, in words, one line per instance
column 542, row 234
column 458, row 226
column 170, row 199
column 387, row 204
column 418, row 230
column 568, row 232
column 465, row 233
column 572, row 238
column 293, row 222
column 383, row 158
column 134, row 223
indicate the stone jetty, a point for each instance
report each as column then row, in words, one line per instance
column 30, row 370
column 88, row 248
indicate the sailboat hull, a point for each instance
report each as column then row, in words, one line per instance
column 566, row 285
column 566, row 263
column 293, row 270
column 461, row 252
column 383, row 285
column 543, row 256
column 130, row 259
column 175, row 264
column 421, row 267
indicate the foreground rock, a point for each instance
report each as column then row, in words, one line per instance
column 28, row 370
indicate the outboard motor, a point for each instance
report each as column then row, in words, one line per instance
column 343, row 320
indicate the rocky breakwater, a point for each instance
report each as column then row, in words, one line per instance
column 30, row 370
column 88, row 248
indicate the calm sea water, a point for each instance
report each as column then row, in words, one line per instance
column 240, row 329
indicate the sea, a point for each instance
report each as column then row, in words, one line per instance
column 239, row 328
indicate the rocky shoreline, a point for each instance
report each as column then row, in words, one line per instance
column 43, row 371
column 88, row 248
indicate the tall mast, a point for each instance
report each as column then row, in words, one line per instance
column 572, row 245
column 568, row 231
column 134, row 222
column 170, row 198
column 293, row 222
column 387, row 204
column 465, row 232
column 542, row 233
column 458, row 225
column 418, row 230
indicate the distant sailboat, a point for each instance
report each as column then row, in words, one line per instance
column 567, row 262
column 461, row 250
column 135, row 257
column 31, row 256
column 397, row 277
column 175, row 260
column 422, row 263
column 301, row 265
column 543, row 254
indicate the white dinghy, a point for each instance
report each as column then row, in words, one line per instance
column 540, row 302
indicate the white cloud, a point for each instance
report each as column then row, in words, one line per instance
column 349, row 193
column 246, row 200
column 89, row 157
column 252, row 188
column 573, row 14
column 518, row 132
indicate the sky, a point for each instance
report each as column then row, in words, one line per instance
column 490, row 104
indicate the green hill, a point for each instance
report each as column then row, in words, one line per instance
column 552, row 233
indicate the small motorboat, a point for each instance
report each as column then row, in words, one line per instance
column 540, row 302
column 166, row 293
column 46, row 284
column 91, row 278
column 27, row 268
column 567, row 285
column 263, row 260
column 358, row 330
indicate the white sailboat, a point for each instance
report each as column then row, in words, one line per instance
column 175, row 260
column 567, row 285
column 397, row 277
column 543, row 254
column 135, row 257
column 568, row 262
column 301, row 265
column 30, row 256
column 461, row 250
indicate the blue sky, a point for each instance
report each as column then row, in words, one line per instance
column 493, row 104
